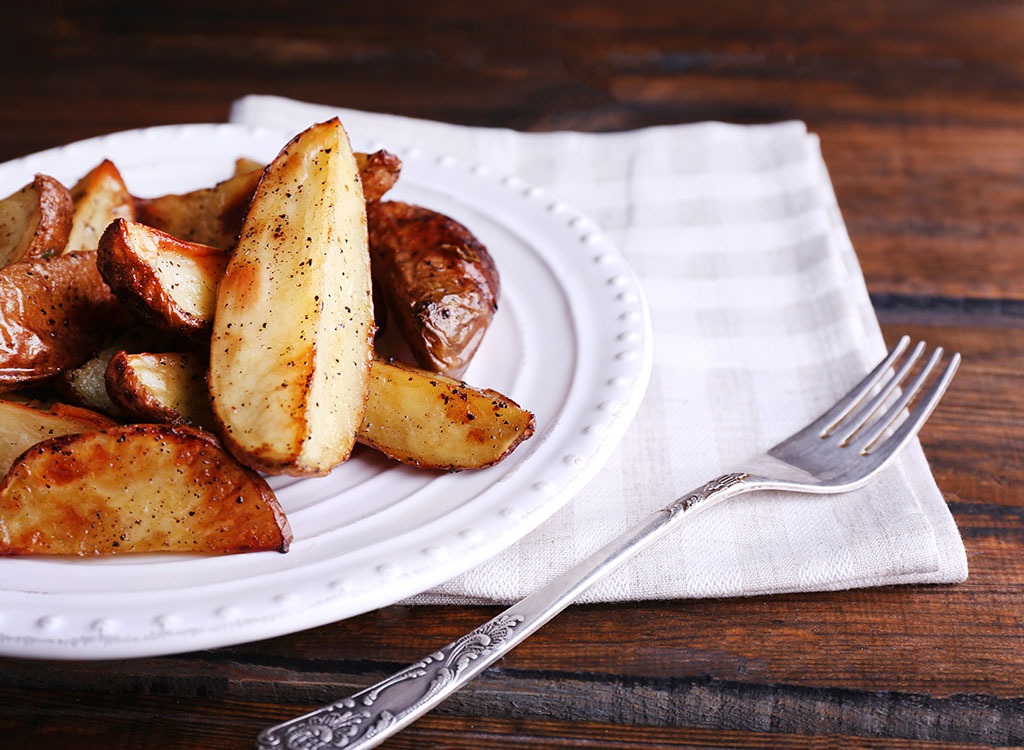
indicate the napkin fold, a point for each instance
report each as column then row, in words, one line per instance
column 761, row 320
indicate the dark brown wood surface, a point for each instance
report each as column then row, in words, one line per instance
column 920, row 108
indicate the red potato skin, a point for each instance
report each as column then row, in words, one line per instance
column 136, row 284
column 439, row 283
column 379, row 172
column 54, row 314
column 56, row 210
column 47, row 226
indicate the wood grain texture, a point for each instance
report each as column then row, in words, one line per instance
column 919, row 106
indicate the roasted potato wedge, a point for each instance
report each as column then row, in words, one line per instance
column 54, row 314
column 136, row 488
column 379, row 172
column 165, row 281
column 35, row 221
column 293, row 326
column 168, row 388
column 209, row 216
column 436, row 422
column 22, row 425
column 439, row 283
column 244, row 164
column 99, row 197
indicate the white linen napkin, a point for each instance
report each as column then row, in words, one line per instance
column 761, row 320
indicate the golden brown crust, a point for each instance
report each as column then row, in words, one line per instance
column 137, row 488
column 439, row 282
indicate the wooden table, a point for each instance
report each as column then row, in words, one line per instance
column 920, row 108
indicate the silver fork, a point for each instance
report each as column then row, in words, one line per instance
column 838, row 452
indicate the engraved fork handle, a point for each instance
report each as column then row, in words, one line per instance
column 368, row 717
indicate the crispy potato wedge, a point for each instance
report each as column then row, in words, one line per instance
column 99, row 197
column 379, row 172
column 208, row 216
column 168, row 387
column 136, row 488
column 22, row 425
column 436, row 422
column 35, row 221
column 165, row 281
column 244, row 164
column 439, row 283
column 293, row 326
column 54, row 314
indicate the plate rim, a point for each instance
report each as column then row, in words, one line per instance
column 102, row 641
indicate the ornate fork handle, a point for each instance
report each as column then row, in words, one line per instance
column 371, row 715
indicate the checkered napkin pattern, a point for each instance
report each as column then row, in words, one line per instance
column 761, row 321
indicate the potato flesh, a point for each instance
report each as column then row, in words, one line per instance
column 18, row 213
column 35, row 221
column 432, row 421
column 378, row 171
column 22, row 426
column 168, row 282
column 293, row 324
column 184, row 270
column 169, row 387
column 99, row 197
column 140, row 488
column 85, row 385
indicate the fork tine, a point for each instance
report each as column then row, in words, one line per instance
column 877, row 402
column 889, row 415
column 834, row 416
column 886, row 447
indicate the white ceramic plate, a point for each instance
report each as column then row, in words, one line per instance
column 571, row 342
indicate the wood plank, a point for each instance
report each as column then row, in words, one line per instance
column 128, row 722
column 922, row 225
